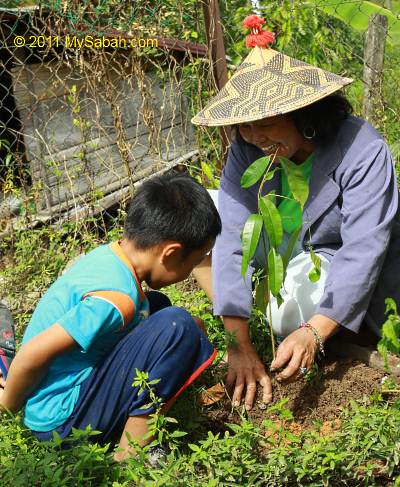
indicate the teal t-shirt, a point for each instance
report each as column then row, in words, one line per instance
column 290, row 209
column 97, row 301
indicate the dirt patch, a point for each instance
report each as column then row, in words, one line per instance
column 338, row 383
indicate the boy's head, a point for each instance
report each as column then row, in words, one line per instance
column 172, row 222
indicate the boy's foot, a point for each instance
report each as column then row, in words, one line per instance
column 7, row 340
column 156, row 455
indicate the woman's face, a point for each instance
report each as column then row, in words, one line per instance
column 277, row 135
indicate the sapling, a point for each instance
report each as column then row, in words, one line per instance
column 265, row 226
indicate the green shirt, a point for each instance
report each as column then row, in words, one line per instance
column 290, row 209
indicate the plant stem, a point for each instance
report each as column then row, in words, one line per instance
column 265, row 174
column 270, row 322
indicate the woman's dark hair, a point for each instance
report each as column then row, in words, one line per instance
column 172, row 207
column 320, row 121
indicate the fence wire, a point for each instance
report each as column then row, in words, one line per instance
column 88, row 109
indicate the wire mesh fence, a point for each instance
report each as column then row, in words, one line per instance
column 95, row 96
column 87, row 111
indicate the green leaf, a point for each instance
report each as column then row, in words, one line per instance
column 272, row 221
column 206, row 170
column 314, row 275
column 261, row 299
column 275, row 271
column 271, row 174
column 254, row 172
column 298, row 184
column 279, row 299
column 250, row 236
column 391, row 307
column 289, row 249
column 356, row 15
column 315, row 272
column 8, row 160
column 271, row 196
column 390, row 336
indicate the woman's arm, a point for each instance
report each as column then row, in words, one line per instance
column 31, row 364
column 232, row 295
column 370, row 199
column 370, row 203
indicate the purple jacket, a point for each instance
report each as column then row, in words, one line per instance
column 351, row 217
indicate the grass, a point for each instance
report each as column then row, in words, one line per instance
column 365, row 450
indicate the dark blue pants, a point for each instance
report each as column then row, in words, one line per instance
column 168, row 345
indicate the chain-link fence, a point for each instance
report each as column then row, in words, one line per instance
column 97, row 95
column 86, row 112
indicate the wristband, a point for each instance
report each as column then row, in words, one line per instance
column 317, row 337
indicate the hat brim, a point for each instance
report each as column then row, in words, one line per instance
column 273, row 86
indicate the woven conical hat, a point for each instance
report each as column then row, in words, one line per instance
column 268, row 83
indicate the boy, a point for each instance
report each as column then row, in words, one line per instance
column 92, row 328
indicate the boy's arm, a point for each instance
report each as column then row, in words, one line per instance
column 31, row 363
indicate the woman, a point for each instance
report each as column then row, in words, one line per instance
column 283, row 106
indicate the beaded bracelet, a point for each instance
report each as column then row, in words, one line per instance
column 317, row 337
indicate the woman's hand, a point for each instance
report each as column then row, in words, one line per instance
column 299, row 348
column 245, row 368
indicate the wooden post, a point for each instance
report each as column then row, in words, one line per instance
column 216, row 50
column 374, row 50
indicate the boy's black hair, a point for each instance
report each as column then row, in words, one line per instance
column 172, row 207
column 322, row 118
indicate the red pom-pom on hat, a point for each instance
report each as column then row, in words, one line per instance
column 253, row 22
column 263, row 39
column 258, row 36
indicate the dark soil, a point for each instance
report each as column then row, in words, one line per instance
column 337, row 383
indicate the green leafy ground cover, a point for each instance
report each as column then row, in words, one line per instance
column 364, row 450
